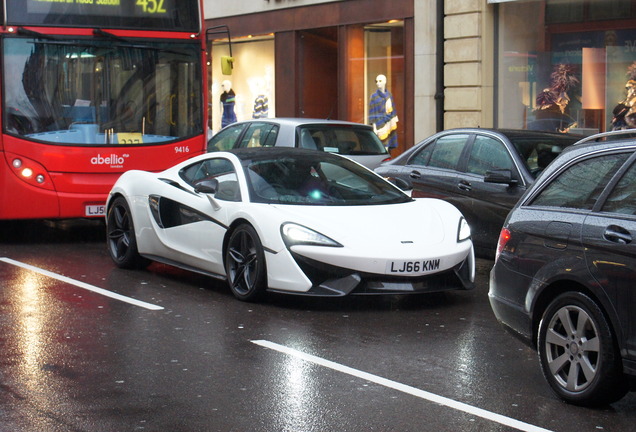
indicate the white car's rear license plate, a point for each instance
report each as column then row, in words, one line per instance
column 95, row 210
column 412, row 267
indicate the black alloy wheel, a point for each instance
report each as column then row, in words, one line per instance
column 245, row 264
column 122, row 244
column 578, row 353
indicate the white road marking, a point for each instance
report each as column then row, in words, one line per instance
column 469, row 409
column 83, row 285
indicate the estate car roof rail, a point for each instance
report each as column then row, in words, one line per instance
column 609, row 136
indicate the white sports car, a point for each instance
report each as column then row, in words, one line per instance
column 288, row 220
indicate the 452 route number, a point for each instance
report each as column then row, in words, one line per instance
column 152, row 6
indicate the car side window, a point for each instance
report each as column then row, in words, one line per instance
column 623, row 198
column 220, row 169
column 260, row 135
column 580, row 184
column 443, row 153
column 225, row 139
column 488, row 154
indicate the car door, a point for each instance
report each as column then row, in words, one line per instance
column 609, row 237
column 191, row 225
column 484, row 204
column 433, row 170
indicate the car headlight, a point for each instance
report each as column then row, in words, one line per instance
column 463, row 231
column 294, row 234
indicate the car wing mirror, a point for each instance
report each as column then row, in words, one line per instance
column 209, row 188
column 501, row 176
column 402, row 184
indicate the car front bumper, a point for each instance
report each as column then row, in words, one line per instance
column 332, row 281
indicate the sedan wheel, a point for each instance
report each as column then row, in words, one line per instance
column 245, row 264
column 578, row 354
column 120, row 230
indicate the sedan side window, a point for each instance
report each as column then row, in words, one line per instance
column 488, row 154
column 225, row 139
column 219, row 169
column 260, row 135
column 443, row 153
column 623, row 198
column 581, row 184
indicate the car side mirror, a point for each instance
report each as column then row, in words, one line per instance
column 502, row 176
column 207, row 186
column 402, row 184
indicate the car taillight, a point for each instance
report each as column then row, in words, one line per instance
column 504, row 236
column 387, row 159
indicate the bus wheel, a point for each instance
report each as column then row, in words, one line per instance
column 122, row 244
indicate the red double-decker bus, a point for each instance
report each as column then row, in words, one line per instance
column 90, row 89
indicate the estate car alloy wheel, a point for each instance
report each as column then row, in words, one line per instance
column 245, row 264
column 122, row 244
column 578, row 353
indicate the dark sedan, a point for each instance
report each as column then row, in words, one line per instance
column 482, row 172
column 565, row 271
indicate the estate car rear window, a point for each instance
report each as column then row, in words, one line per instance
column 580, row 184
column 344, row 140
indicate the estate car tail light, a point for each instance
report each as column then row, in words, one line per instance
column 504, row 236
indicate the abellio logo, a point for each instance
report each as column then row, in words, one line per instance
column 113, row 159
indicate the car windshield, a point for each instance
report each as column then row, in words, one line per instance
column 100, row 92
column 304, row 180
column 538, row 151
column 342, row 139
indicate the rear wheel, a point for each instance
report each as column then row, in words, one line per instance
column 245, row 264
column 122, row 244
column 578, row 353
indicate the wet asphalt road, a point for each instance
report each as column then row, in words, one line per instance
column 187, row 356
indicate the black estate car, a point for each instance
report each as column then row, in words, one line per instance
column 483, row 172
column 565, row 274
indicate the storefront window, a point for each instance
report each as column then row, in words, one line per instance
column 375, row 78
column 249, row 91
column 573, row 69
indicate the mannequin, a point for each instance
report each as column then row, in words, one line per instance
column 382, row 114
column 228, row 100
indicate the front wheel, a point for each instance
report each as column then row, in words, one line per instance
column 245, row 264
column 578, row 353
column 122, row 244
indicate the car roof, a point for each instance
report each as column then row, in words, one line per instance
column 294, row 121
column 514, row 133
column 262, row 153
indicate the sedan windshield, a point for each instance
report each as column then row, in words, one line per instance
column 100, row 91
column 307, row 181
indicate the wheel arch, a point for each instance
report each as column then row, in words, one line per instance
column 558, row 287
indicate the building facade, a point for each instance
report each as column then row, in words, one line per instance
column 530, row 64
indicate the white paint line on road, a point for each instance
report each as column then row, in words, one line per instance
column 83, row 285
column 469, row 409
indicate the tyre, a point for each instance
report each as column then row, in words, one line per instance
column 245, row 264
column 578, row 352
column 122, row 244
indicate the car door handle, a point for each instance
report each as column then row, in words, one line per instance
column 465, row 186
column 415, row 174
column 617, row 234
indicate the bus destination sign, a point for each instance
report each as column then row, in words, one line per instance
column 132, row 14
column 134, row 8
